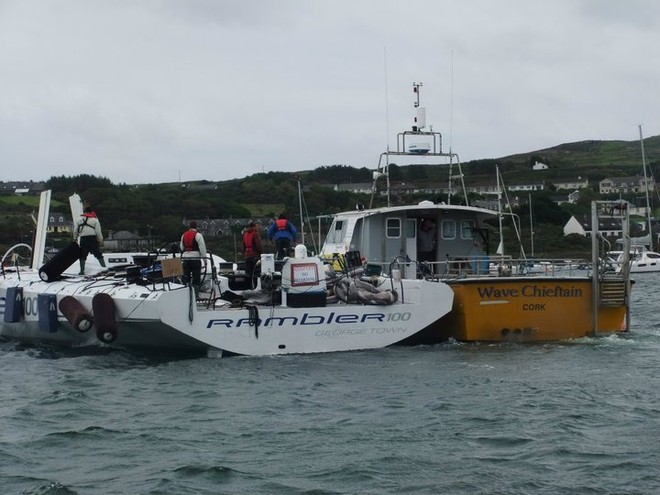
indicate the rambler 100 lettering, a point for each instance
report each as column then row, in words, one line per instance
column 312, row 319
column 530, row 291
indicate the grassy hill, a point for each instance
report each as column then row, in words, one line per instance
column 593, row 159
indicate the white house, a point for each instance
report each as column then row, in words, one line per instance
column 571, row 184
column 625, row 185
column 581, row 225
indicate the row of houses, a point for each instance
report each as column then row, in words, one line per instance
column 613, row 185
column 21, row 188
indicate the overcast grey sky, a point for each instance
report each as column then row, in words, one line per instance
column 160, row 90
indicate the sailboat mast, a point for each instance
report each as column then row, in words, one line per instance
column 646, row 190
column 500, row 247
column 531, row 224
column 302, row 218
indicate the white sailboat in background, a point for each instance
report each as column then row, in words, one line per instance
column 643, row 258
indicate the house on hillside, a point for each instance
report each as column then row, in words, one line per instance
column 539, row 166
column 490, row 188
column 59, row 223
column 123, row 240
column 485, row 188
column 526, row 187
column 581, row 225
column 22, row 188
column 357, row 187
column 625, row 185
column 570, row 184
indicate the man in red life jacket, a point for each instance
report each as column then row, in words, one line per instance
column 193, row 250
column 89, row 236
column 252, row 250
column 283, row 233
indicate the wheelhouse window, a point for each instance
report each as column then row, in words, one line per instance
column 393, row 228
column 336, row 232
column 411, row 228
column 448, row 229
column 467, row 229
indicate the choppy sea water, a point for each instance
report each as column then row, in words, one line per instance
column 570, row 417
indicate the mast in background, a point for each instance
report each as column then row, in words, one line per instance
column 646, row 190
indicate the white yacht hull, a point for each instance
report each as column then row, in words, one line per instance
column 163, row 317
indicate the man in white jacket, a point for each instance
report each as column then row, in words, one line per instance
column 89, row 236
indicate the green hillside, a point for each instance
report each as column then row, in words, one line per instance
column 593, row 159
column 159, row 210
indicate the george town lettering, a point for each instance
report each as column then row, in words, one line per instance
column 311, row 319
column 352, row 332
column 529, row 291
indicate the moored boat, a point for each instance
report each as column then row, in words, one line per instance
column 496, row 297
column 304, row 308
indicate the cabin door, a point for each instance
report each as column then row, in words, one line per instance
column 410, row 234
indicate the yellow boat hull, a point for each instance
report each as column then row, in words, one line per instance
column 529, row 310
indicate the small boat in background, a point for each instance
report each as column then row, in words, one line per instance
column 641, row 260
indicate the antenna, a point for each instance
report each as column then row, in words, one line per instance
column 419, row 120
column 451, row 102
column 387, row 103
column 416, row 91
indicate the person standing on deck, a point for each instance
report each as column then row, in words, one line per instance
column 193, row 247
column 252, row 250
column 283, row 233
column 89, row 236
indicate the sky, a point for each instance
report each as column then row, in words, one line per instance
column 153, row 91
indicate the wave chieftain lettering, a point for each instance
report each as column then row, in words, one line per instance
column 530, row 291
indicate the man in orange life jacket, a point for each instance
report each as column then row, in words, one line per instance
column 282, row 232
column 194, row 250
column 252, row 250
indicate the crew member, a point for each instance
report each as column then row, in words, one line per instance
column 252, row 249
column 194, row 250
column 88, row 234
column 283, row 233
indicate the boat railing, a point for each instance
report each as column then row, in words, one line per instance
column 507, row 266
column 491, row 266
